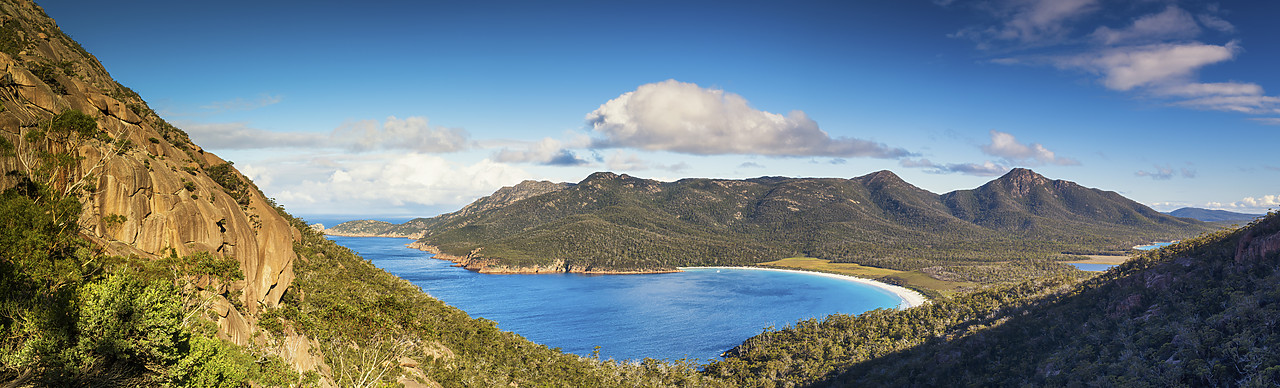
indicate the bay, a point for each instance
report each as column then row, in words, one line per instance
column 1154, row 246
column 696, row 314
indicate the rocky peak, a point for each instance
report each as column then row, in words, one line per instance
column 1020, row 181
column 882, row 178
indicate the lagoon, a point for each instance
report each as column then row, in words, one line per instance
column 698, row 313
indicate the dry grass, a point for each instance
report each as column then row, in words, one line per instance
column 913, row 278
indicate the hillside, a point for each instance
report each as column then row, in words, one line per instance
column 130, row 256
column 618, row 223
column 414, row 228
column 1207, row 215
column 1198, row 313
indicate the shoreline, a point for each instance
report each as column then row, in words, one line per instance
column 1153, row 247
column 910, row 298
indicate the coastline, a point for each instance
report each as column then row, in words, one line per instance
column 910, row 298
column 1154, row 245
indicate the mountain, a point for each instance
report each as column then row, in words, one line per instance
column 1207, row 215
column 130, row 256
column 1198, row 313
column 619, row 223
column 414, row 228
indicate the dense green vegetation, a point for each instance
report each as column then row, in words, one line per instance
column 1198, row 313
column 1014, row 228
column 370, row 318
column 70, row 316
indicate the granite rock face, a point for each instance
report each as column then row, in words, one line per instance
column 146, row 189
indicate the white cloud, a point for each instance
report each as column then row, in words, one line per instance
column 1260, row 204
column 410, row 134
column 547, row 151
column 1268, row 120
column 386, row 183
column 685, row 118
column 1216, row 23
column 1172, row 23
column 1126, row 68
column 225, row 136
column 1005, row 145
column 1028, row 22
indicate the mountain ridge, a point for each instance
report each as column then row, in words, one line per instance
column 869, row 220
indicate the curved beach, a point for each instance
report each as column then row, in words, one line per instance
column 910, row 298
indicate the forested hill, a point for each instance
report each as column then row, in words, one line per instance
column 623, row 223
column 1200, row 313
column 1207, row 215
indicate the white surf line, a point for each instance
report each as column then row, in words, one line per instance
column 910, row 298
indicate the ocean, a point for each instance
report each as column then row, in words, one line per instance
column 695, row 314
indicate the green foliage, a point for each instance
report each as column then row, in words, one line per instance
column 1198, row 313
column 11, row 40
column 813, row 349
column 227, row 177
column 126, row 324
column 225, row 268
column 71, row 318
column 189, row 185
column 48, row 73
column 73, row 122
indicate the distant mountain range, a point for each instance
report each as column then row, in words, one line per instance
column 1207, row 215
column 610, row 222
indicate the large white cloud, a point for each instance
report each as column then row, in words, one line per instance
column 1126, row 68
column 686, row 118
column 382, row 183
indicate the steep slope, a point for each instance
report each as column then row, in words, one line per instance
column 612, row 223
column 146, row 190
column 1198, row 313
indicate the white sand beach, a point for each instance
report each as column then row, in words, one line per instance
column 910, row 298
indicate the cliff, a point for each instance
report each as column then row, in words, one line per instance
column 145, row 189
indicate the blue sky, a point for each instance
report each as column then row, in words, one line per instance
column 417, row 108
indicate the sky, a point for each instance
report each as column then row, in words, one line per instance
column 416, row 108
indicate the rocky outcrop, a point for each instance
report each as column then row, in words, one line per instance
column 146, row 190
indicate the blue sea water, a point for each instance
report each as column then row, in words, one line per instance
column 694, row 314
column 1093, row 267
column 1154, row 246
